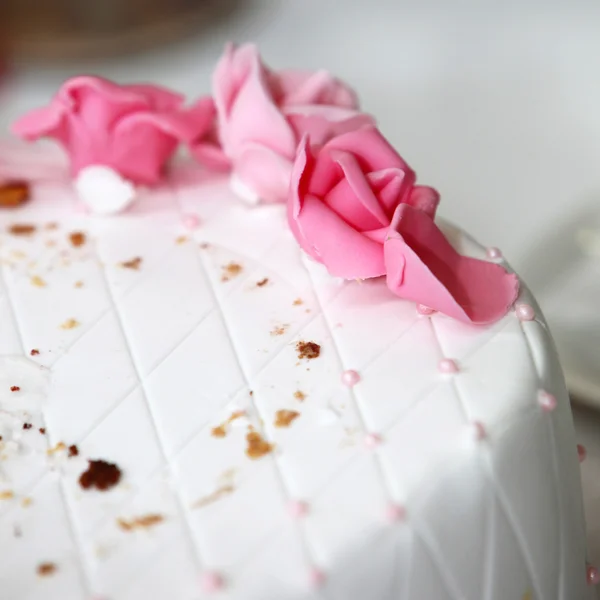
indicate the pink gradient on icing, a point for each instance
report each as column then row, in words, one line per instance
column 298, row 509
column 190, row 221
column 211, row 582
column 395, row 513
column 316, row 578
column 350, row 378
column 593, row 575
column 372, row 440
column 478, row 430
column 581, row 452
column 133, row 129
column 424, row 310
column 261, row 114
column 447, row 366
column 547, row 401
column 525, row 312
column 422, row 266
column 494, row 253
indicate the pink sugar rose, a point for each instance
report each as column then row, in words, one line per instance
column 132, row 129
column 261, row 115
column 354, row 206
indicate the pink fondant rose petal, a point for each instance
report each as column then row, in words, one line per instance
column 422, row 266
column 263, row 113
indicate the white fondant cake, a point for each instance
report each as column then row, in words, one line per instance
column 174, row 354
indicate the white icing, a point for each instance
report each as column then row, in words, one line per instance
column 242, row 191
column 103, row 190
column 167, row 352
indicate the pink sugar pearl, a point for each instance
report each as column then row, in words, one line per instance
column 525, row 312
column 190, row 221
column 424, row 310
column 593, row 575
column 350, row 378
column 316, row 578
column 447, row 365
column 298, row 509
column 372, row 440
column 494, row 253
column 211, row 582
column 547, row 401
column 478, row 431
column 581, row 452
column 395, row 513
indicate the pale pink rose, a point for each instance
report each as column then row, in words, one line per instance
column 261, row 115
column 132, row 129
column 342, row 199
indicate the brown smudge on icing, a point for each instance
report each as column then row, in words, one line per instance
column 37, row 281
column 215, row 496
column 257, row 446
column 143, row 522
column 298, row 302
column 279, row 329
column 14, row 193
column 133, row 264
column 262, row 282
column 220, row 431
column 231, row 270
column 77, row 238
column 284, row 418
column 73, row 450
column 70, row 324
column 46, row 569
column 308, row 350
column 300, row 396
column 22, row 229
column 101, row 475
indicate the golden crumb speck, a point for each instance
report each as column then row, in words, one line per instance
column 298, row 302
column 37, row 281
column 220, row 492
column 300, row 396
column 231, row 270
column 182, row 239
column 133, row 264
column 78, row 284
column 262, row 282
column 77, row 238
column 279, row 329
column 58, row 448
column 257, row 446
column 22, row 229
column 284, row 418
column 26, row 502
column 70, row 324
column 142, row 522
column 220, row 431
column 7, row 495
column 46, row 569
column 308, row 350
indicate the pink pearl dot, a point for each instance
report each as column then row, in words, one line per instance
column 424, row 310
column 190, row 221
column 372, row 440
column 581, row 452
column 316, row 578
column 395, row 513
column 350, row 378
column 494, row 253
column 478, row 431
column 298, row 509
column 211, row 582
column 593, row 575
column 447, row 365
column 547, row 401
column 525, row 312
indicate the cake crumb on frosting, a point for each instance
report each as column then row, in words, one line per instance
column 73, row 450
column 37, row 281
column 298, row 302
column 46, row 569
column 7, row 495
column 13, row 194
column 27, row 426
column 300, row 396
column 257, row 446
column 15, row 388
column 77, row 238
column 22, row 229
column 308, row 350
column 262, row 282
column 42, row 430
column 34, row 352
column 279, row 329
column 133, row 264
column 284, row 418
column 220, row 431
column 78, row 284
column 101, row 475
column 230, row 270
column 70, row 324
column 182, row 239
column 26, row 502
column 143, row 522
column 220, row 492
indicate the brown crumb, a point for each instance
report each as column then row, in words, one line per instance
column 22, row 229
column 7, row 495
column 70, row 324
column 298, row 302
column 284, row 418
column 27, row 501
column 220, row 431
column 133, row 264
column 77, row 238
column 37, row 281
column 42, row 430
column 78, row 284
column 257, row 446
column 15, row 388
column 73, row 450
column 34, row 352
column 219, row 493
column 143, row 522
column 204, row 245
column 182, row 239
column 262, row 282
column 251, row 393
column 279, row 330
column 27, row 425
column 13, row 194
column 230, row 270
column 51, row 226
column 300, row 396
column 46, row 569
column 101, row 475
column 308, row 350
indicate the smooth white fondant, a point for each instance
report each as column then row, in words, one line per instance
column 242, row 191
column 166, row 352
column 103, row 190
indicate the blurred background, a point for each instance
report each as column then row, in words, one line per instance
column 497, row 104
